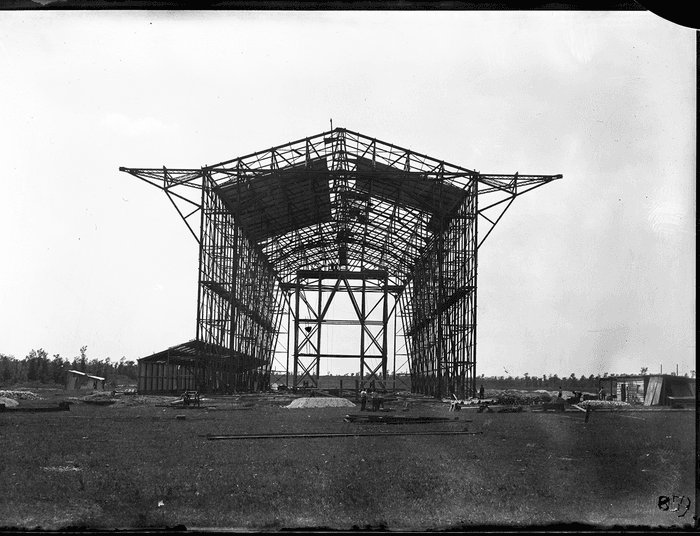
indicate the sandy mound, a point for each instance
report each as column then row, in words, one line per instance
column 9, row 403
column 320, row 402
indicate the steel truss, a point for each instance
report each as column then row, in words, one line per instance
column 314, row 292
column 238, row 300
column 439, row 307
column 283, row 231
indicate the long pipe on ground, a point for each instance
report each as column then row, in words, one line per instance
column 321, row 435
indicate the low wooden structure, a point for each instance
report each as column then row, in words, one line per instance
column 81, row 380
column 650, row 390
column 195, row 366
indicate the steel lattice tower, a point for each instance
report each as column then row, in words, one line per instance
column 283, row 231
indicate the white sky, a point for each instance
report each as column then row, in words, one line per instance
column 594, row 273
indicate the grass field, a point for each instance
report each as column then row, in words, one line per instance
column 139, row 466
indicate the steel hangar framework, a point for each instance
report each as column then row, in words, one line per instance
column 284, row 231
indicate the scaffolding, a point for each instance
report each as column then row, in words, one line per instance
column 283, row 231
column 314, row 292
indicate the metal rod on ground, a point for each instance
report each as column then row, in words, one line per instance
column 62, row 406
column 377, row 419
column 407, row 422
column 322, row 435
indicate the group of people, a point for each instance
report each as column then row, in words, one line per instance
column 376, row 399
column 191, row 398
column 578, row 397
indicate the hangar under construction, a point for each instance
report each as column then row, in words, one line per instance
column 284, row 232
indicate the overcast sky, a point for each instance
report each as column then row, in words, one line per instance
column 594, row 273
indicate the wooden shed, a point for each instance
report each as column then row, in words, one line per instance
column 651, row 390
column 666, row 389
column 81, row 380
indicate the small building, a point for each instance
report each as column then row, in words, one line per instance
column 80, row 380
column 651, row 390
column 203, row 367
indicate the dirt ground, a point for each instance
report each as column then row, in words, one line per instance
column 141, row 462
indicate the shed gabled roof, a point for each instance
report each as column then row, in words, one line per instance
column 191, row 352
column 79, row 373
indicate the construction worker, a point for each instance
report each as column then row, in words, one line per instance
column 363, row 399
column 375, row 400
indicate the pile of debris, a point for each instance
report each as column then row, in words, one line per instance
column 8, row 402
column 508, row 397
column 320, row 402
column 19, row 395
column 100, row 399
column 513, row 397
column 146, row 400
column 595, row 404
column 112, row 398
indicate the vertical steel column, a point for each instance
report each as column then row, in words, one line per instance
column 473, row 248
column 361, row 316
column 394, row 335
column 440, row 296
column 289, row 326
column 200, row 289
column 319, row 321
column 233, row 356
column 385, row 325
column 297, row 297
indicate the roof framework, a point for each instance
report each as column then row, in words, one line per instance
column 340, row 201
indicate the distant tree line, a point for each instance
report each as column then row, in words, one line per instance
column 38, row 368
column 545, row 381
column 552, row 381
